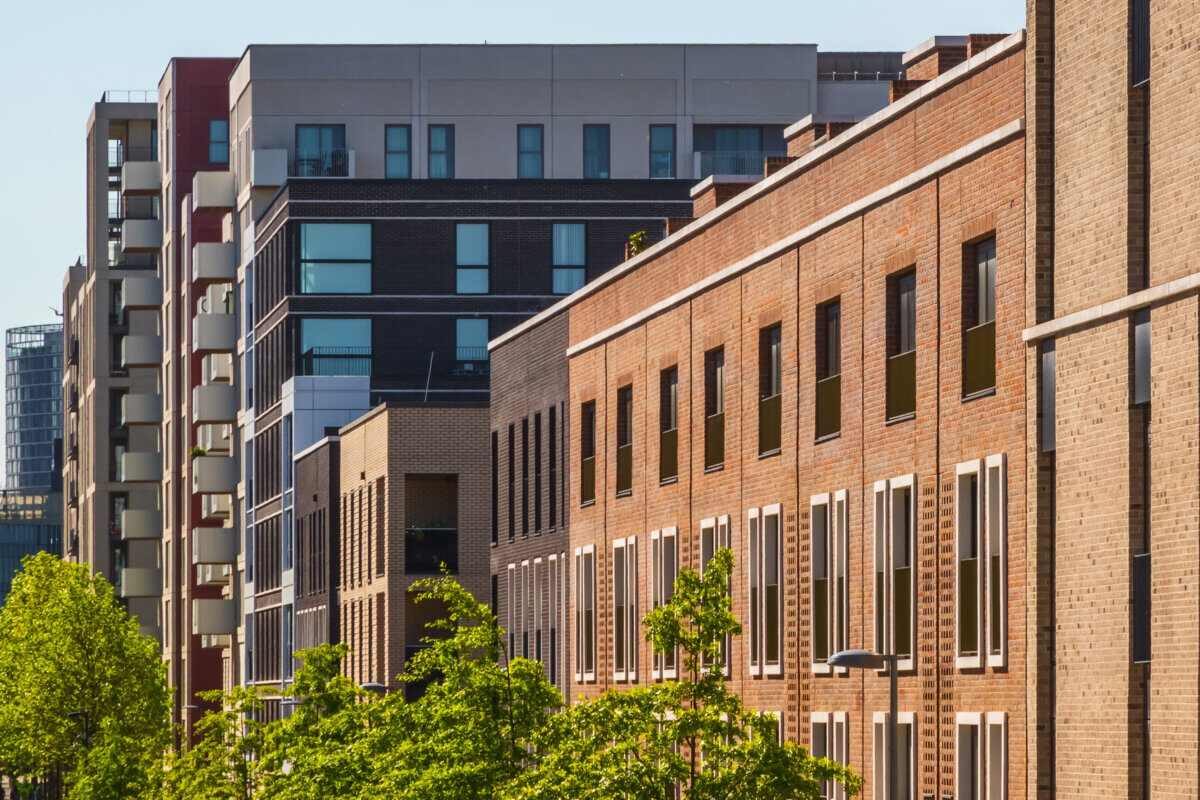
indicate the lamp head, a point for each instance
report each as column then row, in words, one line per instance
column 857, row 659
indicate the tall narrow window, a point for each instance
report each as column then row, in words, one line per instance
column 968, row 747
column 831, row 739
column 829, row 369
column 969, row 576
column 906, row 744
column 537, row 473
column 553, row 609
column 552, row 435
column 714, row 536
column 624, row 440
column 595, row 151
column 585, row 614
column 512, row 610
column 525, row 477
column 1139, row 41
column 539, row 583
column 587, row 453
column 662, row 151
column 982, row 571
column 770, row 389
column 668, row 425
column 625, row 612
column 996, row 755
column 529, row 151
column 895, row 584
column 830, row 588
column 902, row 343
column 218, row 141
column 495, row 490
column 714, row 409
column 766, row 620
column 664, row 568
column 441, row 151
column 569, row 256
column 397, row 143
column 471, row 257
column 512, row 481
column 526, row 608
column 979, row 312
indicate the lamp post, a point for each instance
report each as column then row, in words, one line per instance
column 866, row 659
column 87, row 732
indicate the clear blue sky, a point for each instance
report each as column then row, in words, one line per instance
column 57, row 57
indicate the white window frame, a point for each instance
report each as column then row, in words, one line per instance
column 836, row 745
column 629, row 647
column 996, row 543
column 552, row 611
column 512, row 610
column 718, row 530
column 753, row 581
column 526, row 602
column 775, row 510
column 879, row 752
column 996, row 753
column 836, row 559
column 963, row 721
column 884, row 549
column 659, row 586
column 963, row 473
column 582, row 674
column 539, row 580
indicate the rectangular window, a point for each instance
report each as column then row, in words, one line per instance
column 829, row 369
column 664, row 568
column 595, row 151
column 996, row 755
column 901, row 344
column 529, row 151
column 1139, row 42
column 830, row 739
column 335, row 258
column 906, row 744
column 537, row 473
column 587, row 453
column 553, row 613
column 525, row 477
column 552, row 434
column 471, row 338
column 714, row 409
column 981, row 575
column 625, row 613
column 1047, row 401
column 335, row 346
column 830, row 586
column 512, row 481
column 585, row 614
column 539, row 581
column 668, row 425
column 766, row 619
column 569, row 256
column 969, row 757
column 662, row 151
column 471, row 257
column 526, row 608
column 218, row 141
column 512, row 611
column 1141, row 356
column 714, row 536
column 441, row 151
column 397, row 151
column 624, row 441
column 770, row 390
column 895, row 584
column 979, row 312
column 495, row 490
column 321, row 152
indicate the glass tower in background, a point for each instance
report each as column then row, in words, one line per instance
column 33, row 405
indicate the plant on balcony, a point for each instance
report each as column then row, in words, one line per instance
column 637, row 243
column 197, row 451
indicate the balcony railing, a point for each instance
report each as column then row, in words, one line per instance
column 714, row 441
column 770, row 424
column 968, row 606
column 129, row 96
column 587, row 479
column 668, row 455
column 119, row 153
column 427, row 548
column 624, row 469
column 471, row 361
column 829, row 406
column 331, row 163
column 732, row 162
column 336, row 361
column 902, row 385
column 979, row 359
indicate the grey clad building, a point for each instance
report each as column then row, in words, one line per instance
column 33, row 405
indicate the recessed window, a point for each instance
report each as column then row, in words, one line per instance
column 441, row 151
column 569, row 256
column 625, row 609
column 585, row 614
column 906, row 744
column 471, row 256
column 668, row 424
column 664, row 568
column 595, row 151
column 335, row 346
column 662, row 151
column 335, row 258
column 901, row 344
column 830, row 738
column 765, row 599
column 624, row 440
column 714, row 536
column 979, row 318
column 471, row 338
column 529, row 151
column 982, row 569
column 321, row 152
column 829, row 369
column 512, row 481
column 770, row 389
column 398, row 151
column 981, row 756
column 714, row 408
column 895, row 585
column 218, row 141
column 830, row 585
column 587, row 452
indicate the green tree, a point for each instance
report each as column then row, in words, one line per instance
column 81, row 690
column 223, row 763
column 693, row 735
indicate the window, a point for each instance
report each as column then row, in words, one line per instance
column 529, row 151
column 335, row 346
column 1139, row 42
column 624, row 441
column 569, row 256
column 552, row 434
column 595, row 151
column 335, row 258
column 829, row 369
column 906, row 746
column 441, row 151
column 218, row 141
column 981, row 557
column 714, row 536
column 471, row 339
column 553, row 609
column 981, row 756
column 668, row 425
column 662, row 151
column 321, row 152
column 495, row 491
column 512, row 611
column 830, row 588
column 397, row 151
column 512, row 481
column 979, row 311
column 539, row 581
column 625, row 612
column 901, row 343
column 895, row 581
column 537, row 473
column 714, row 409
column 766, row 620
column 734, row 139
column 770, row 390
column 664, row 568
column 1047, row 405
column 830, row 739
column 585, row 614
column 471, row 256
column 587, row 453
column 526, row 608
column 525, row 478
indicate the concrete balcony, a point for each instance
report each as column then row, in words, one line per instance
column 216, row 438
column 213, row 192
column 216, row 507
column 214, row 617
column 140, row 178
column 213, row 475
column 139, row 582
column 217, row 368
column 151, row 631
column 214, row 333
column 141, row 351
column 214, row 262
column 141, row 468
column 139, row 523
column 214, row 403
column 214, row 574
column 214, row 546
column 268, row 168
column 141, row 409
column 223, row 641
column 141, row 235
column 142, row 293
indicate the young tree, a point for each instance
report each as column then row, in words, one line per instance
column 82, row 693
column 691, row 738
column 223, row 763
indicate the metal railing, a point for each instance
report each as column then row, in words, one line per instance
column 336, row 361
column 770, row 424
column 624, row 469
column 829, row 406
column 732, row 162
column 856, row 75
column 119, row 153
column 668, row 455
column 333, row 162
column 979, row 359
column 471, row 353
column 426, row 549
column 714, row 441
column 968, row 607
column 902, row 385
column 587, row 479
column 129, row 96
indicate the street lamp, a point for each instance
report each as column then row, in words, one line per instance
column 866, row 659
column 87, row 733
column 375, row 688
